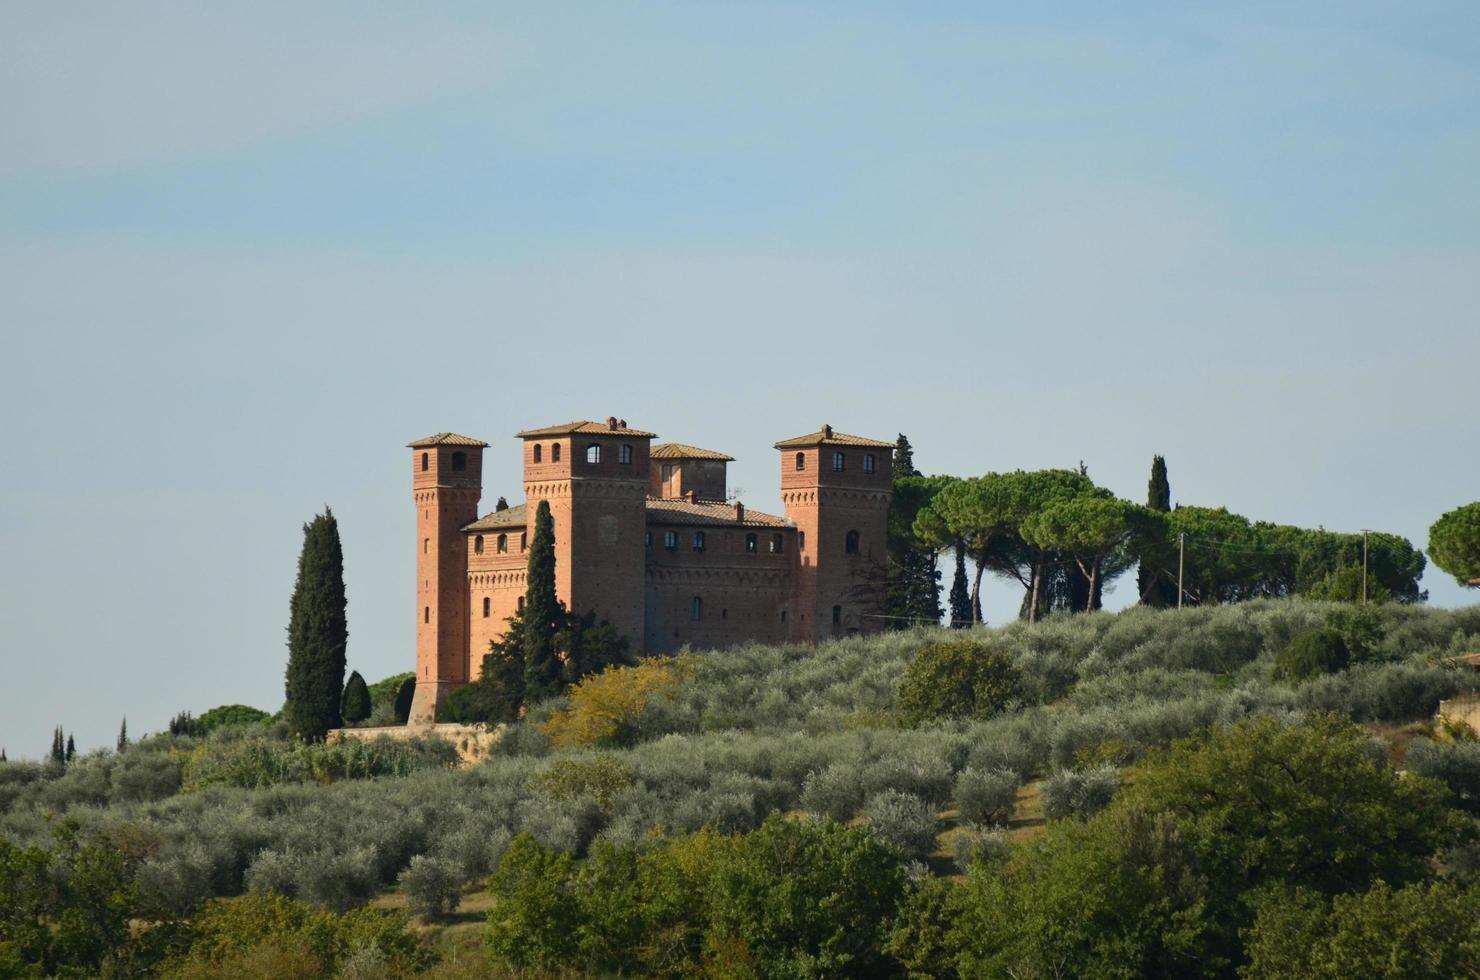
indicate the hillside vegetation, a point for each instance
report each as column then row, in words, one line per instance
column 635, row 781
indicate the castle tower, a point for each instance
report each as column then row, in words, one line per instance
column 595, row 476
column 446, row 482
column 837, row 489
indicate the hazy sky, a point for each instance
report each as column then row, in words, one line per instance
column 248, row 251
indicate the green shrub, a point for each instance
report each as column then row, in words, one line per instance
column 405, row 695
column 901, row 821
column 354, row 703
column 957, row 679
column 1079, row 792
column 258, row 762
column 1312, row 653
column 987, row 796
column 433, row 886
column 537, row 916
column 1455, row 764
column 600, row 777
column 218, row 717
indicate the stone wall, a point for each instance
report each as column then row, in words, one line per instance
column 473, row 742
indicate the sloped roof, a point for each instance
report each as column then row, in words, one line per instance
column 508, row 517
column 677, row 510
column 677, row 450
column 584, row 428
column 828, row 436
column 446, row 439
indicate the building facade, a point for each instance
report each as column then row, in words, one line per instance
column 648, row 538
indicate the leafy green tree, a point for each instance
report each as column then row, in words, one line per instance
column 1312, row 653
column 355, row 705
column 1421, row 931
column 1454, row 543
column 536, row 918
column 542, row 611
column 1089, row 529
column 961, row 607
column 1119, row 895
column 1306, row 805
column 317, row 632
column 589, row 647
column 498, row 693
column 913, row 589
column 957, row 679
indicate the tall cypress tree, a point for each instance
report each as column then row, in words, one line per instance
column 355, row 705
column 123, row 734
column 71, row 749
column 317, row 632
column 58, row 746
column 960, row 593
column 543, row 615
column 1152, row 585
column 904, row 458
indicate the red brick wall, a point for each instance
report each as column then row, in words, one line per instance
column 743, row 594
column 677, row 477
column 446, row 499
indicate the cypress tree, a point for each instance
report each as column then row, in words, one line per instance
column 355, row 705
column 960, row 594
column 1150, row 584
column 543, row 615
column 317, row 632
column 58, row 746
column 904, row 458
column 71, row 749
column 2, row 756
column 123, row 734
column 404, row 696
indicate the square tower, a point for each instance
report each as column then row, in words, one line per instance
column 446, row 482
column 837, row 489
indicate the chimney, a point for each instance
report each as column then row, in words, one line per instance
column 611, row 422
column 621, row 423
column 826, row 431
column 692, row 496
column 739, row 512
column 502, row 504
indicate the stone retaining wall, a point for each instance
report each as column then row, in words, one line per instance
column 473, row 742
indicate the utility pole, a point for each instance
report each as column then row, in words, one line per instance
column 1364, row 568
column 1181, row 554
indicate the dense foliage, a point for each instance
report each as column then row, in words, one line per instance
column 1454, row 543
column 317, row 632
column 1312, row 653
column 354, row 705
column 957, row 679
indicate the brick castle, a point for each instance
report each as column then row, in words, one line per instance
column 647, row 538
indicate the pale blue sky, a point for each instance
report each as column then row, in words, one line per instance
column 246, row 254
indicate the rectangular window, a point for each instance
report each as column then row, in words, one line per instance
column 868, row 462
column 801, row 540
column 624, row 456
column 670, row 540
column 777, row 543
column 837, row 462
column 698, row 540
column 647, row 539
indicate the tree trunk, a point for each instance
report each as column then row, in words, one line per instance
column 976, row 593
column 1033, row 602
column 1094, row 578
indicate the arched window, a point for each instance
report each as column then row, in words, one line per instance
column 837, row 615
column 487, row 606
column 426, row 614
column 838, row 462
column 520, row 604
column 698, row 540
column 478, row 545
column 696, row 609
column 801, row 461
column 647, row 539
column 426, row 462
column 777, row 543
column 503, row 544
column 523, row 540
column 593, row 453
column 624, row 456
column 539, row 453
column 459, row 462
column 555, row 453
column 850, row 543
column 426, row 545
column 868, row 462
column 751, row 545
column 801, row 540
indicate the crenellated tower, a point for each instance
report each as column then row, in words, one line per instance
column 446, row 482
column 837, row 490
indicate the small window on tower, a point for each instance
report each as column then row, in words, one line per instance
column 478, row 545
column 593, row 453
column 539, row 453
column 503, row 544
column 801, row 461
column 524, row 541
column 868, row 462
column 670, row 540
column 426, row 614
column 426, row 546
column 426, row 462
column 459, row 462
column 555, row 453
column 801, row 540
column 520, row 604
column 698, row 540
column 837, row 462
column 625, row 455
column 837, row 615
column 850, row 543
column 777, row 543
column 751, row 544
column 696, row 609
column 487, row 606
column 647, row 539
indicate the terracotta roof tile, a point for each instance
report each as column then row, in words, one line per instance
column 676, row 510
column 508, row 517
column 828, row 436
column 677, row 450
column 585, row 428
column 446, row 439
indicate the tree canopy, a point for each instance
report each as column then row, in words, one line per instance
column 1454, row 543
